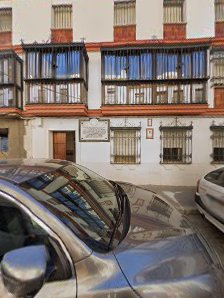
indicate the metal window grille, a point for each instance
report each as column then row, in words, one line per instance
column 62, row 17
column 56, row 92
column 219, row 10
column 124, row 13
column 5, row 20
column 4, row 140
column 154, row 64
column 217, row 59
column 125, row 146
column 173, row 11
column 154, row 76
column 176, row 145
column 59, row 63
column 218, row 144
column 11, row 85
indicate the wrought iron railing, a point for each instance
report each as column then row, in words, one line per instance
column 56, row 92
column 125, row 146
column 133, row 93
column 176, row 145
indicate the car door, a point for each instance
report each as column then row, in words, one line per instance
column 19, row 229
column 213, row 192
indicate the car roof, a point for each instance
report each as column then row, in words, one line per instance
column 21, row 170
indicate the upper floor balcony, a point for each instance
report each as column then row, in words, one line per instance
column 154, row 76
column 56, row 74
column 11, row 83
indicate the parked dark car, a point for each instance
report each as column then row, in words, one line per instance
column 66, row 232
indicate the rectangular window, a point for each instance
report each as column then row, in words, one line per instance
column 217, row 58
column 125, row 146
column 218, row 144
column 166, row 64
column 176, row 145
column 124, row 13
column 62, row 17
column 5, row 20
column 173, row 11
column 4, row 140
column 219, row 10
column 166, row 76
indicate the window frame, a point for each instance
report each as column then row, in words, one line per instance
column 151, row 72
column 126, row 10
column 63, row 20
column 219, row 9
column 183, row 142
column 173, row 5
column 219, row 129
column 125, row 159
column 46, row 76
column 8, row 12
column 3, row 132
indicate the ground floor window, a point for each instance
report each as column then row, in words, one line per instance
column 218, row 143
column 125, row 146
column 4, row 143
column 176, row 145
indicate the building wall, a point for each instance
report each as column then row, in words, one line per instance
column 93, row 20
column 16, row 134
column 31, row 21
column 94, row 90
column 200, row 18
column 149, row 19
column 96, row 156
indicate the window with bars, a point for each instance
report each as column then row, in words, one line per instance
column 56, row 73
column 4, row 147
column 11, row 85
column 217, row 59
column 5, row 20
column 219, row 10
column 124, row 12
column 176, row 145
column 218, row 144
column 62, row 16
column 173, row 11
column 125, row 146
column 154, row 76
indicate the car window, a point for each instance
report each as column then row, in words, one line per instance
column 18, row 230
column 84, row 201
column 213, row 177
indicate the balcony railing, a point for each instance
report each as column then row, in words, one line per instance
column 11, row 83
column 59, row 92
column 157, row 75
column 154, row 93
column 56, row 73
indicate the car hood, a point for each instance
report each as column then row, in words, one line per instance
column 161, row 255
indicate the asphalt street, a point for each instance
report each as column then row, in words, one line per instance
column 183, row 198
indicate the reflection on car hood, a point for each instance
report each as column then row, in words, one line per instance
column 162, row 254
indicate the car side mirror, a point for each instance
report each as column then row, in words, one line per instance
column 23, row 270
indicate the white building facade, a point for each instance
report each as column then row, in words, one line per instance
column 131, row 89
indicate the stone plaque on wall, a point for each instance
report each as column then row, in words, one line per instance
column 94, row 130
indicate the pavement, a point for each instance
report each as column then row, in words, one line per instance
column 183, row 198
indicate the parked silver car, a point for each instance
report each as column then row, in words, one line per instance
column 210, row 197
column 66, row 232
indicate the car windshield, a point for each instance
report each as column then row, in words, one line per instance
column 83, row 200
